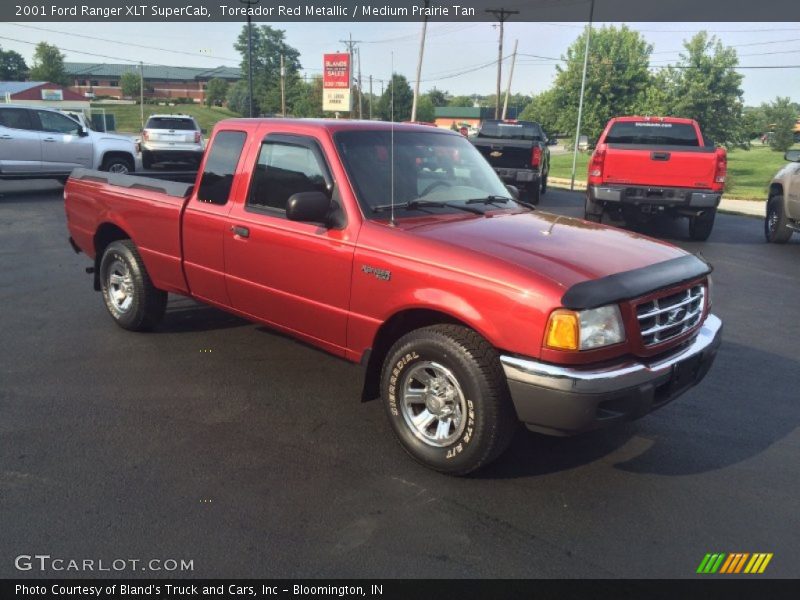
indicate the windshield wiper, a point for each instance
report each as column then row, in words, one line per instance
column 500, row 200
column 419, row 203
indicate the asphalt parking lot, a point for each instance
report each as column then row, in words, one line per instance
column 216, row 440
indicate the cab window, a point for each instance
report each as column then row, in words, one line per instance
column 56, row 123
column 15, row 118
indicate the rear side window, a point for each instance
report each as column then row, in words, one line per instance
column 170, row 123
column 653, row 133
column 217, row 179
column 15, row 118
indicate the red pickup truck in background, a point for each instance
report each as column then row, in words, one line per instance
column 398, row 247
column 643, row 166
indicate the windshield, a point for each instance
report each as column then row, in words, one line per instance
column 653, row 133
column 170, row 123
column 523, row 130
column 436, row 168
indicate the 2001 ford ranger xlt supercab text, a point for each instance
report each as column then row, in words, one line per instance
column 398, row 247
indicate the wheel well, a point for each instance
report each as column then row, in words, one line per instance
column 388, row 333
column 776, row 189
column 118, row 154
column 105, row 234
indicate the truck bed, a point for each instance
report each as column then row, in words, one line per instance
column 147, row 209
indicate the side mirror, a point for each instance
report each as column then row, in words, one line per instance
column 83, row 132
column 308, row 207
column 792, row 155
column 514, row 191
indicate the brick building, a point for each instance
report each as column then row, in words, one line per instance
column 93, row 79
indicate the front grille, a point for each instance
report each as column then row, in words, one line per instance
column 665, row 318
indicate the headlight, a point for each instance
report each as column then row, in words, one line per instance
column 584, row 329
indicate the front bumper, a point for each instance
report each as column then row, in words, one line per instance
column 560, row 400
column 513, row 176
column 655, row 195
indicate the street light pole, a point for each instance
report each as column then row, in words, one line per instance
column 580, row 101
column 249, row 4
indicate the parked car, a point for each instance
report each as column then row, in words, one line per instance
column 398, row 247
column 171, row 138
column 44, row 143
column 643, row 166
column 519, row 154
column 783, row 203
column 583, row 143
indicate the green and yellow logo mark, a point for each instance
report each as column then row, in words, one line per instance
column 738, row 562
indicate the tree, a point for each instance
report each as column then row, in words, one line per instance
column 781, row 116
column 438, row 97
column 617, row 80
column 403, row 98
column 426, row 111
column 306, row 98
column 268, row 46
column 48, row 64
column 129, row 83
column 238, row 98
column 461, row 101
column 543, row 110
column 216, row 91
column 12, row 66
column 705, row 86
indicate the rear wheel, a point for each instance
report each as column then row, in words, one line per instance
column 544, row 183
column 593, row 211
column 130, row 297
column 776, row 225
column 447, row 399
column 531, row 193
column 147, row 159
column 700, row 225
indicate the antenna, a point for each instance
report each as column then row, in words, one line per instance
column 391, row 149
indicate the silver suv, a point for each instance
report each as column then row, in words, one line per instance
column 171, row 138
column 783, row 204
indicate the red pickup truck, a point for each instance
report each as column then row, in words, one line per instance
column 398, row 247
column 643, row 166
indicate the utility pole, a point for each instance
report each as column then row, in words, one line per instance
column 250, row 3
column 419, row 64
column 370, row 97
column 502, row 15
column 350, row 42
column 580, row 101
column 141, row 96
column 360, row 114
column 510, row 77
column 283, row 87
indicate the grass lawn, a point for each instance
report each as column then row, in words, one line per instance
column 749, row 171
column 128, row 119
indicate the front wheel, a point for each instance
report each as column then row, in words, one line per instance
column 776, row 225
column 130, row 297
column 447, row 399
column 700, row 225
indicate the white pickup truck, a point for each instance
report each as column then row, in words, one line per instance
column 43, row 143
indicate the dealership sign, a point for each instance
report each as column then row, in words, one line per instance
column 53, row 95
column 336, row 82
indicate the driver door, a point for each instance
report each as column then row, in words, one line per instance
column 63, row 148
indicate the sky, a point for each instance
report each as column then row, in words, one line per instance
column 456, row 54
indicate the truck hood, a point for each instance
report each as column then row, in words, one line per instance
column 563, row 249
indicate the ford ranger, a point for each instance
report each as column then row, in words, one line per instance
column 398, row 247
column 643, row 166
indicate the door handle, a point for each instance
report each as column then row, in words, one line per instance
column 6, row 137
column 660, row 155
column 240, row 231
column 49, row 140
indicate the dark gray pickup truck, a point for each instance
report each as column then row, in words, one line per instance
column 518, row 152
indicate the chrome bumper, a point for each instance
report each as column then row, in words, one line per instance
column 563, row 400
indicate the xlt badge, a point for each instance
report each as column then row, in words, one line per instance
column 382, row 274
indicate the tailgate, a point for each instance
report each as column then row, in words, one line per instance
column 180, row 136
column 506, row 155
column 660, row 166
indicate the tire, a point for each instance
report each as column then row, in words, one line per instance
column 117, row 164
column 544, row 184
column 147, row 160
column 531, row 193
column 471, row 385
column 593, row 211
column 129, row 295
column 700, row 225
column 776, row 225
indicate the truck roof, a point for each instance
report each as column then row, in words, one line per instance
column 332, row 125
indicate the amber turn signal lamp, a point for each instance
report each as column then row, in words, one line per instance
column 562, row 330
